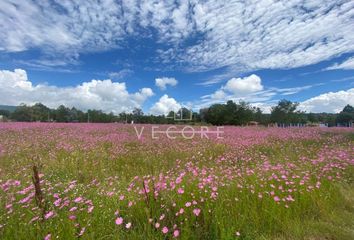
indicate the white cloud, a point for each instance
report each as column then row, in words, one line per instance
column 250, row 89
column 332, row 102
column 242, row 35
column 218, row 95
column 65, row 26
column 347, row 65
column 250, row 35
column 164, row 81
column 16, row 88
column 121, row 74
column 241, row 86
column 165, row 105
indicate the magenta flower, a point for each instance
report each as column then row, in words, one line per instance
column 90, row 209
column 180, row 191
column 47, row 237
column 119, row 221
column 78, row 200
column 34, row 219
column 164, row 230
column 276, row 198
column 57, row 202
column 49, row 215
column 196, row 211
column 73, row 209
column 176, row 233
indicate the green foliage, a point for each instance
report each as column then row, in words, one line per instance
column 285, row 112
column 23, row 113
column 230, row 113
column 5, row 113
column 346, row 116
column 325, row 213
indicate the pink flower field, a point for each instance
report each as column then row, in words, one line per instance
column 100, row 181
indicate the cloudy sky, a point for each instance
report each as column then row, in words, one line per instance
column 160, row 55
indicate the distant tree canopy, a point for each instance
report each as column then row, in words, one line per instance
column 23, row 113
column 286, row 113
column 5, row 113
column 346, row 116
column 230, row 113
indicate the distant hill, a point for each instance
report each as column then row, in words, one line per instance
column 8, row 108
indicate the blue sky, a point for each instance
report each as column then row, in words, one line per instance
column 161, row 55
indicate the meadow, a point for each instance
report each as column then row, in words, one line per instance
column 100, row 181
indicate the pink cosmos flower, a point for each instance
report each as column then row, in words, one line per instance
column 73, row 209
column 128, row 225
column 49, row 215
column 90, row 209
column 188, row 204
column 119, row 221
column 78, row 200
column 82, row 231
column 180, row 191
column 164, row 230
column 57, row 202
column 157, row 225
column 196, row 211
column 47, row 237
column 34, row 219
column 276, row 198
column 176, row 233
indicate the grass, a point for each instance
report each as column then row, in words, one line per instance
column 235, row 188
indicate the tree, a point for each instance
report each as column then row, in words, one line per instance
column 348, row 109
column 62, row 114
column 346, row 116
column 259, row 116
column 138, row 115
column 244, row 113
column 5, row 113
column 216, row 114
column 137, row 112
column 285, row 112
column 184, row 114
column 22, row 114
column 231, row 113
column 40, row 112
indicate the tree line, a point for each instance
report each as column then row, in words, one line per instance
column 285, row 113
